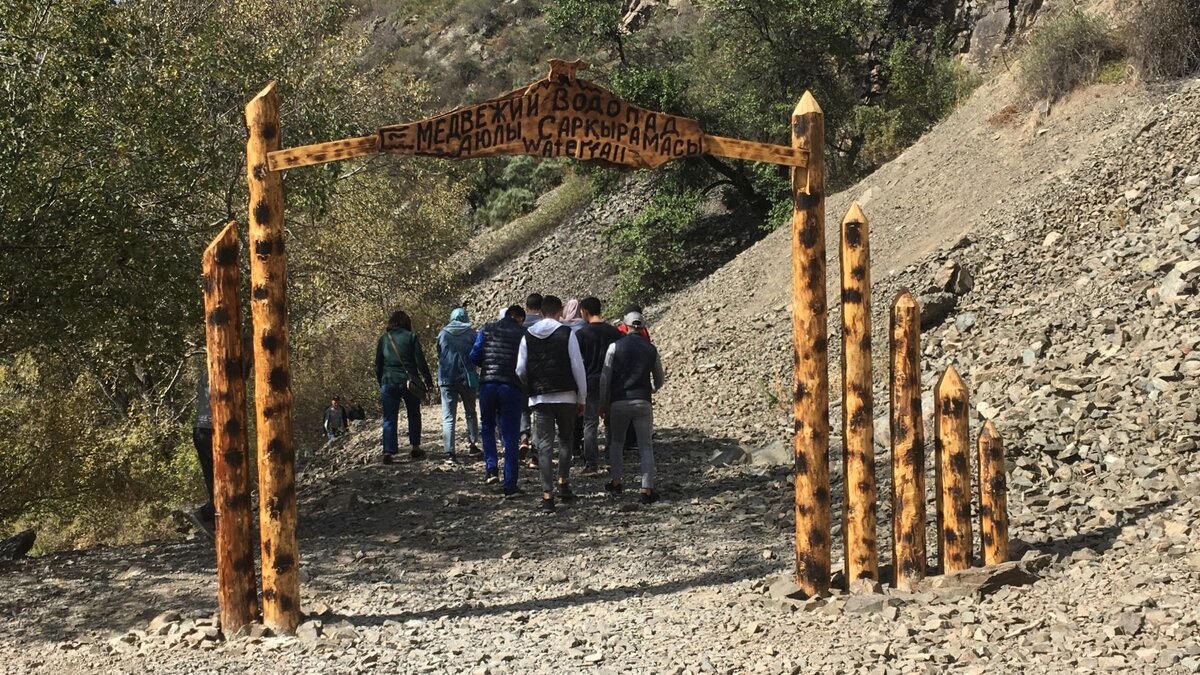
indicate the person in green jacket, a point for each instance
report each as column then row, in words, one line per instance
column 398, row 358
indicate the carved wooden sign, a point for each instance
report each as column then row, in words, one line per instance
column 560, row 116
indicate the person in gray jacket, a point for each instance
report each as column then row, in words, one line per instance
column 632, row 373
column 458, row 380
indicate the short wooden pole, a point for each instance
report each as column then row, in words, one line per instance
column 858, row 436
column 952, row 444
column 993, row 496
column 811, row 358
column 908, row 442
column 237, row 595
column 272, row 376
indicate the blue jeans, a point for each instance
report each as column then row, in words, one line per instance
column 505, row 403
column 451, row 395
column 390, row 397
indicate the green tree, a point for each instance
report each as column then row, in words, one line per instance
column 121, row 154
column 589, row 24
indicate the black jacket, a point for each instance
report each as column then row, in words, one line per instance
column 549, row 362
column 495, row 352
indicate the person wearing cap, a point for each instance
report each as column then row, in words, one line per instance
column 632, row 373
column 457, row 381
column 626, row 328
column 551, row 366
column 500, row 396
column 595, row 337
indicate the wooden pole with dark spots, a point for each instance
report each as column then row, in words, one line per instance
column 908, row 443
column 993, row 496
column 858, row 435
column 237, row 594
column 952, row 444
column 810, row 357
column 272, row 373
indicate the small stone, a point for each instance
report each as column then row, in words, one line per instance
column 1051, row 239
column 160, row 624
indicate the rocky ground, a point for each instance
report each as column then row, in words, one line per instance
column 420, row 568
column 1075, row 232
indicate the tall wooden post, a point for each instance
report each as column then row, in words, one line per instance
column 993, row 496
column 237, row 595
column 272, row 373
column 908, row 442
column 858, row 436
column 952, row 444
column 810, row 343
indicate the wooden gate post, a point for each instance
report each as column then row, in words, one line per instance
column 908, row 443
column 952, row 443
column 993, row 496
column 810, row 345
column 272, row 374
column 237, row 594
column 858, row 437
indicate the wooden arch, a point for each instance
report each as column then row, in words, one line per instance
column 558, row 116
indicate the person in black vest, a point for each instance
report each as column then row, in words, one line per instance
column 495, row 352
column 595, row 337
column 632, row 373
column 550, row 364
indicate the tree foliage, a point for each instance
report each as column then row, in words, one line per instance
column 121, row 154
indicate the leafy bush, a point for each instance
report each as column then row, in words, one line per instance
column 923, row 87
column 1065, row 53
column 650, row 247
column 81, row 473
column 508, row 187
column 1163, row 38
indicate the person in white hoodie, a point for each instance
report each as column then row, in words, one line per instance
column 551, row 366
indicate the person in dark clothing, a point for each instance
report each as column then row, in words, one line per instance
column 533, row 314
column 632, row 373
column 624, row 327
column 595, row 337
column 550, row 365
column 335, row 420
column 356, row 411
column 500, row 397
column 204, row 517
column 399, row 359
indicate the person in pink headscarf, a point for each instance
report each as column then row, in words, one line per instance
column 571, row 317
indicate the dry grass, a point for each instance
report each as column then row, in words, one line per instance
column 1004, row 116
column 1162, row 38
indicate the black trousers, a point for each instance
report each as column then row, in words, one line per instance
column 203, row 440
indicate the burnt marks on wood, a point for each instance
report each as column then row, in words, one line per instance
column 279, row 379
column 227, row 254
column 262, row 213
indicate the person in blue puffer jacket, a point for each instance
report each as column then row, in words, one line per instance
column 458, row 380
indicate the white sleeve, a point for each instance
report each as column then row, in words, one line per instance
column 606, row 375
column 577, row 368
column 521, row 356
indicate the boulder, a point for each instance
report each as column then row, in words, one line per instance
column 983, row 581
column 935, row 307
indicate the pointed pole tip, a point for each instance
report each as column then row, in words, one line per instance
column 950, row 379
column 905, row 298
column 989, row 429
column 855, row 214
column 808, row 104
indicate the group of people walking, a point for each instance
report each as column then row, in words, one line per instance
column 544, row 373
